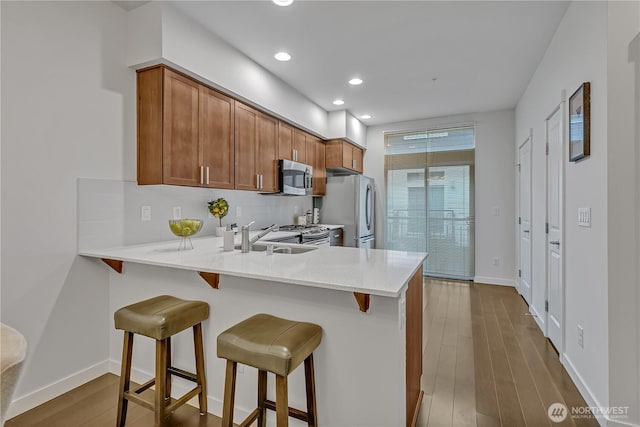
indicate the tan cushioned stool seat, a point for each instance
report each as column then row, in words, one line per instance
column 269, row 343
column 161, row 317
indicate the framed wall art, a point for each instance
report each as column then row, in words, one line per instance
column 580, row 123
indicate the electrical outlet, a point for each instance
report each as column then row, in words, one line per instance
column 145, row 213
column 580, row 336
column 495, row 261
column 177, row 212
column 238, row 212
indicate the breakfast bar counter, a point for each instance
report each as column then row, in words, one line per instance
column 369, row 364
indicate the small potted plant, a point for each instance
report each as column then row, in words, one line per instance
column 219, row 208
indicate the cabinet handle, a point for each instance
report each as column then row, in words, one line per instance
column 295, row 155
column 207, row 175
column 261, row 181
column 355, row 163
column 258, row 181
column 201, row 175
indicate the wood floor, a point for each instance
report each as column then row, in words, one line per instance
column 485, row 364
column 94, row 405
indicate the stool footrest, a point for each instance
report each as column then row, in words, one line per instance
column 138, row 399
column 183, row 374
column 183, row 399
column 145, row 386
column 293, row 412
column 251, row 418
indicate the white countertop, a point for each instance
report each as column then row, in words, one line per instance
column 371, row 271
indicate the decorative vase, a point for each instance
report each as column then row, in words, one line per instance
column 220, row 231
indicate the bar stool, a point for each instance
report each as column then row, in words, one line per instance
column 276, row 345
column 160, row 318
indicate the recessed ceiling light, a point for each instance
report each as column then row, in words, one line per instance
column 283, row 2
column 282, row 56
column 365, row 116
column 338, row 102
column 355, row 82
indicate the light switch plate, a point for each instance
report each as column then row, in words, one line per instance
column 584, row 217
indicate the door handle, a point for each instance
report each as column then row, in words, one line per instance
column 525, row 231
column 555, row 242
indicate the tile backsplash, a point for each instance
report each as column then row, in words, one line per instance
column 109, row 212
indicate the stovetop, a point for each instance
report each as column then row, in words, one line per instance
column 304, row 229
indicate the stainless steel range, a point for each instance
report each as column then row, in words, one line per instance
column 310, row 234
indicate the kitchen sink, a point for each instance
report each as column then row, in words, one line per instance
column 280, row 249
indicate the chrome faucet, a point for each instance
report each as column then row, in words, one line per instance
column 247, row 243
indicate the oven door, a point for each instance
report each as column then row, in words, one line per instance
column 325, row 241
column 295, row 178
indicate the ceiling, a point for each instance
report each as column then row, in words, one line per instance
column 418, row 59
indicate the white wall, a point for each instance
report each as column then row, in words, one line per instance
column 577, row 53
column 623, row 200
column 494, row 186
column 202, row 54
column 68, row 103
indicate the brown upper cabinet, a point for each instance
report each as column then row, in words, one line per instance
column 344, row 156
column 185, row 131
column 256, row 137
column 317, row 147
column 300, row 146
column 285, row 141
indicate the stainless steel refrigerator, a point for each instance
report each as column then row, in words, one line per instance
column 350, row 200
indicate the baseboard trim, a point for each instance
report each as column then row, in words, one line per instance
column 494, row 281
column 178, row 388
column 53, row 390
column 584, row 390
column 539, row 320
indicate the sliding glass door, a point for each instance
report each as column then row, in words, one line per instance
column 430, row 198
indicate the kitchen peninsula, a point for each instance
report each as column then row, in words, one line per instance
column 369, row 364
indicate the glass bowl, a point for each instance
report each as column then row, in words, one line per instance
column 185, row 228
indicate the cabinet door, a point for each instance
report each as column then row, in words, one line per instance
column 300, row 146
column 246, row 139
column 180, row 132
column 216, row 138
column 357, row 159
column 267, row 153
column 285, row 141
column 347, row 155
column 310, row 152
column 319, row 170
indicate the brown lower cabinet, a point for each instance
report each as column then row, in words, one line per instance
column 185, row 131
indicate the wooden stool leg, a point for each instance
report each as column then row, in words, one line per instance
column 125, row 375
column 161, row 382
column 229, row 394
column 167, row 395
column 262, row 396
column 310, row 381
column 282, row 402
column 202, row 379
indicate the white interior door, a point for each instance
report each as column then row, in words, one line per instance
column 555, row 276
column 524, row 219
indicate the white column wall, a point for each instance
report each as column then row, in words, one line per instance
column 576, row 54
column 68, row 108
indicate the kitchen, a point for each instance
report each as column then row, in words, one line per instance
column 69, row 184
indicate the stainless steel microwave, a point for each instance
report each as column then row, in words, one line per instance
column 294, row 179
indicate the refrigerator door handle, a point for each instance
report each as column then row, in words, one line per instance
column 367, row 208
